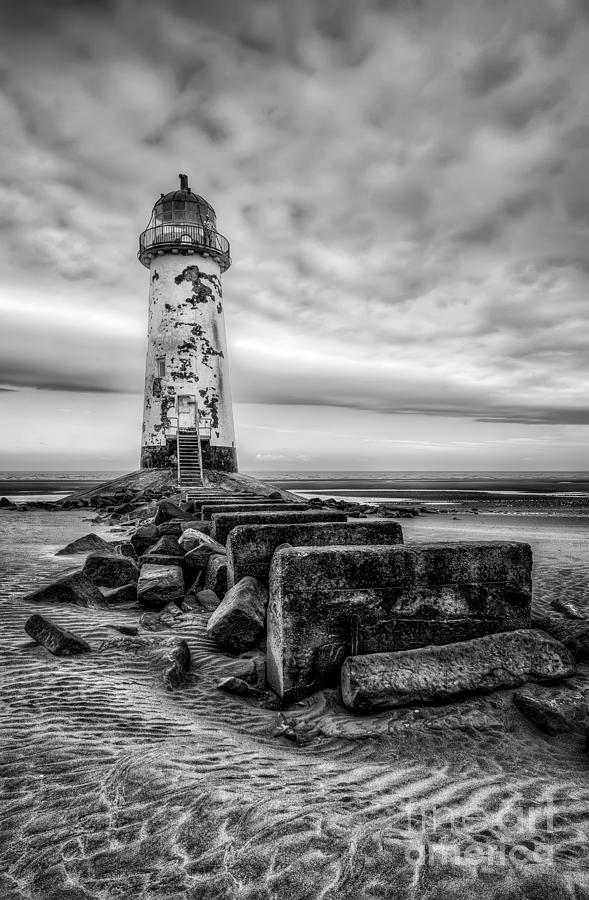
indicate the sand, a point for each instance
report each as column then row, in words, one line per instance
column 114, row 787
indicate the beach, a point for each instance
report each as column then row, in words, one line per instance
column 115, row 787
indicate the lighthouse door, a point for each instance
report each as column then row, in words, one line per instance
column 186, row 412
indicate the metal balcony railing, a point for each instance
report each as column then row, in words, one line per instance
column 184, row 236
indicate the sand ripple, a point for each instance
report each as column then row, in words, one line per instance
column 115, row 787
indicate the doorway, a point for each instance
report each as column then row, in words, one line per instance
column 186, row 412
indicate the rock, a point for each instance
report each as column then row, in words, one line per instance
column 567, row 608
column 167, row 546
column 216, row 574
column 158, row 559
column 54, row 638
column 85, row 544
column 389, row 598
column 198, row 557
column 110, row 569
column 250, row 548
column 126, row 593
column 275, row 495
column 159, row 585
column 222, row 523
column 172, row 527
column 435, row 673
column 542, row 710
column 208, row 600
column 171, row 659
column 126, row 548
column 144, row 538
column 170, row 613
column 128, row 630
column 238, row 621
column 238, row 686
column 74, row 588
column 5, row 503
column 191, row 538
column 203, row 527
column 573, row 634
column 167, row 510
column 151, row 622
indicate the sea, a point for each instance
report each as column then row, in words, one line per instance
column 535, row 493
column 549, row 510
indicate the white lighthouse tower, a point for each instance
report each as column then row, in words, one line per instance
column 187, row 416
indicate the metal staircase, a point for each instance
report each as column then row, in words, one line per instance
column 189, row 459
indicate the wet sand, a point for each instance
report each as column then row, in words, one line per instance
column 114, row 787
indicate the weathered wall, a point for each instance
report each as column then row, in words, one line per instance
column 186, row 326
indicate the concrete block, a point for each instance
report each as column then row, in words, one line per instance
column 250, row 547
column 327, row 603
column 431, row 674
column 223, row 523
column 254, row 505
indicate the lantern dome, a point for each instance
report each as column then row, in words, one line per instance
column 182, row 221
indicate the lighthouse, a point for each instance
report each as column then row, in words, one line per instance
column 187, row 414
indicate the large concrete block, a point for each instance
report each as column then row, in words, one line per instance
column 430, row 674
column 208, row 511
column 223, row 523
column 327, row 603
column 250, row 547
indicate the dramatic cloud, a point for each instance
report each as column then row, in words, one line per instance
column 404, row 186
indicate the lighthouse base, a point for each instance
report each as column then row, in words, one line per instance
column 164, row 456
column 221, row 459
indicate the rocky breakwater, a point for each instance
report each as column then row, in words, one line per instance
column 322, row 596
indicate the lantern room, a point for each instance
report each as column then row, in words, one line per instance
column 183, row 222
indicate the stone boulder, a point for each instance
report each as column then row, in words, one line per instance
column 191, row 538
column 567, row 608
column 126, row 593
column 233, row 685
column 126, row 548
column 436, row 673
column 573, row 634
column 74, row 588
column 238, row 622
column 216, row 574
column 197, row 525
column 144, row 538
column 198, row 557
column 208, row 600
column 167, row 510
column 85, row 544
column 172, row 527
column 167, row 545
column 543, row 710
column 330, row 602
column 54, row 638
column 160, row 585
column 110, row 569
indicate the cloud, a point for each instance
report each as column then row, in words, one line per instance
column 404, row 187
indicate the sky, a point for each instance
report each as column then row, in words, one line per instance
column 405, row 186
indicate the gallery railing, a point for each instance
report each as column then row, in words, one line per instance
column 182, row 237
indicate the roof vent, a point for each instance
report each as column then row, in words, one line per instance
column 184, row 183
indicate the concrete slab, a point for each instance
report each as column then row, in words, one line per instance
column 223, row 523
column 250, row 547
